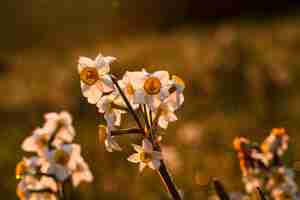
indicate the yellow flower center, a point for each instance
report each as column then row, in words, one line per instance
column 20, row 169
column 89, row 75
column 61, row 157
column 152, row 85
column 145, row 157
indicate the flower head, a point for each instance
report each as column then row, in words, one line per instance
column 146, row 156
column 149, row 88
column 94, row 77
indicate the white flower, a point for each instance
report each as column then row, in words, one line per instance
column 94, row 78
column 126, row 84
column 30, row 183
column 60, row 124
column 111, row 114
column 27, row 166
column 146, row 156
column 110, row 143
column 149, row 88
column 81, row 173
column 166, row 110
column 60, row 162
column 42, row 196
column 37, row 142
column 179, row 85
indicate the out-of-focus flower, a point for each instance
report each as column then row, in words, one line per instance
column 110, row 143
column 146, row 156
column 262, row 166
column 94, row 77
column 60, row 124
column 81, row 173
column 27, row 166
column 57, row 129
column 62, row 161
column 37, row 142
column 275, row 144
column 112, row 115
column 31, row 188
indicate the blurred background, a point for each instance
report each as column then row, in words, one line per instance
column 240, row 61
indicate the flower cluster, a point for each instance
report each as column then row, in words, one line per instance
column 262, row 166
column 152, row 99
column 55, row 160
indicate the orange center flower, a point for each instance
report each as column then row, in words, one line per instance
column 89, row 75
column 152, row 85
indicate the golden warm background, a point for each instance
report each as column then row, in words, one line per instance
column 240, row 62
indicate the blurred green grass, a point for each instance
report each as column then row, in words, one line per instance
column 242, row 78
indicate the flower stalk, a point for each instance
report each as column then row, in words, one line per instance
column 162, row 171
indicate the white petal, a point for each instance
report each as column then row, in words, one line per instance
column 139, row 96
column 162, row 122
column 115, row 145
column 85, row 62
column 154, row 164
column 29, row 144
column 147, row 145
column 92, row 93
column 163, row 76
column 135, row 158
column 106, row 83
column 137, row 148
column 142, row 166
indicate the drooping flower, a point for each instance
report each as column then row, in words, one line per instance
column 146, row 156
column 94, row 77
column 110, row 143
column 112, row 114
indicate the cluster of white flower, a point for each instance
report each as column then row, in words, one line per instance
column 56, row 160
column 262, row 166
column 151, row 98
